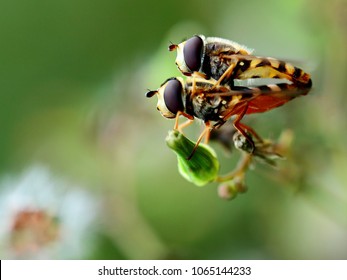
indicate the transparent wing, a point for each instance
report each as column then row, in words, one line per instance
column 257, row 99
column 282, row 90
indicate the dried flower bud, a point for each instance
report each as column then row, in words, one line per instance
column 264, row 150
column 230, row 189
column 241, row 143
column 227, row 191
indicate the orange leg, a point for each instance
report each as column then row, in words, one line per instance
column 241, row 127
column 184, row 125
column 193, row 86
column 252, row 131
column 178, row 126
column 205, row 132
column 199, row 75
column 227, row 73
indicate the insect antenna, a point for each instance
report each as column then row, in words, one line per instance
column 151, row 93
column 172, row 46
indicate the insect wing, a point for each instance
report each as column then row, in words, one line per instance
column 258, row 99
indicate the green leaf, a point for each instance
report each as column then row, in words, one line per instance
column 202, row 167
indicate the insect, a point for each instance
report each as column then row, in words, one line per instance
column 212, row 102
column 225, row 61
column 212, row 66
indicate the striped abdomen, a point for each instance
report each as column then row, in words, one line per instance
column 249, row 67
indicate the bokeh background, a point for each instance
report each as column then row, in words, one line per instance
column 85, row 172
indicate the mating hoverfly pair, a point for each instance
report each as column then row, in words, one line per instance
column 210, row 93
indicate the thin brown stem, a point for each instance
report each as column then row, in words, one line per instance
column 241, row 168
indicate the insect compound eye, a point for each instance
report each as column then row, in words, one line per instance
column 173, row 96
column 192, row 52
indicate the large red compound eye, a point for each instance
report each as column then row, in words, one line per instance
column 173, row 96
column 192, row 53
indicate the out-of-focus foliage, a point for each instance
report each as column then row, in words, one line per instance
column 73, row 78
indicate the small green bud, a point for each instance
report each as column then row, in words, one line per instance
column 227, row 191
column 202, row 167
column 230, row 189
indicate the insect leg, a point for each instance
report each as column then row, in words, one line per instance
column 184, row 125
column 199, row 75
column 205, row 132
column 208, row 134
column 252, row 131
column 241, row 127
column 193, row 85
column 178, row 126
column 226, row 74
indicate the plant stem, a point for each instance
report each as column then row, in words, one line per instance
column 241, row 168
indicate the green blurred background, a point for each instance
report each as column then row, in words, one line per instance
column 73, row 75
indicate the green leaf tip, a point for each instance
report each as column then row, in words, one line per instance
column 202, row 167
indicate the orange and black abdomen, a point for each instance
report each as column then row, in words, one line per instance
column 296, row 75
column 250, row 67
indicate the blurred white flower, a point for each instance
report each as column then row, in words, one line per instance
column 44, row 217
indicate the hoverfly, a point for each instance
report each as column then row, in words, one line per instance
column 225, row 61
column 212, row 102
column 212, row 66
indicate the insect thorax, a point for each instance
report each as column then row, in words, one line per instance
column 207, row 108
column 213, row 64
